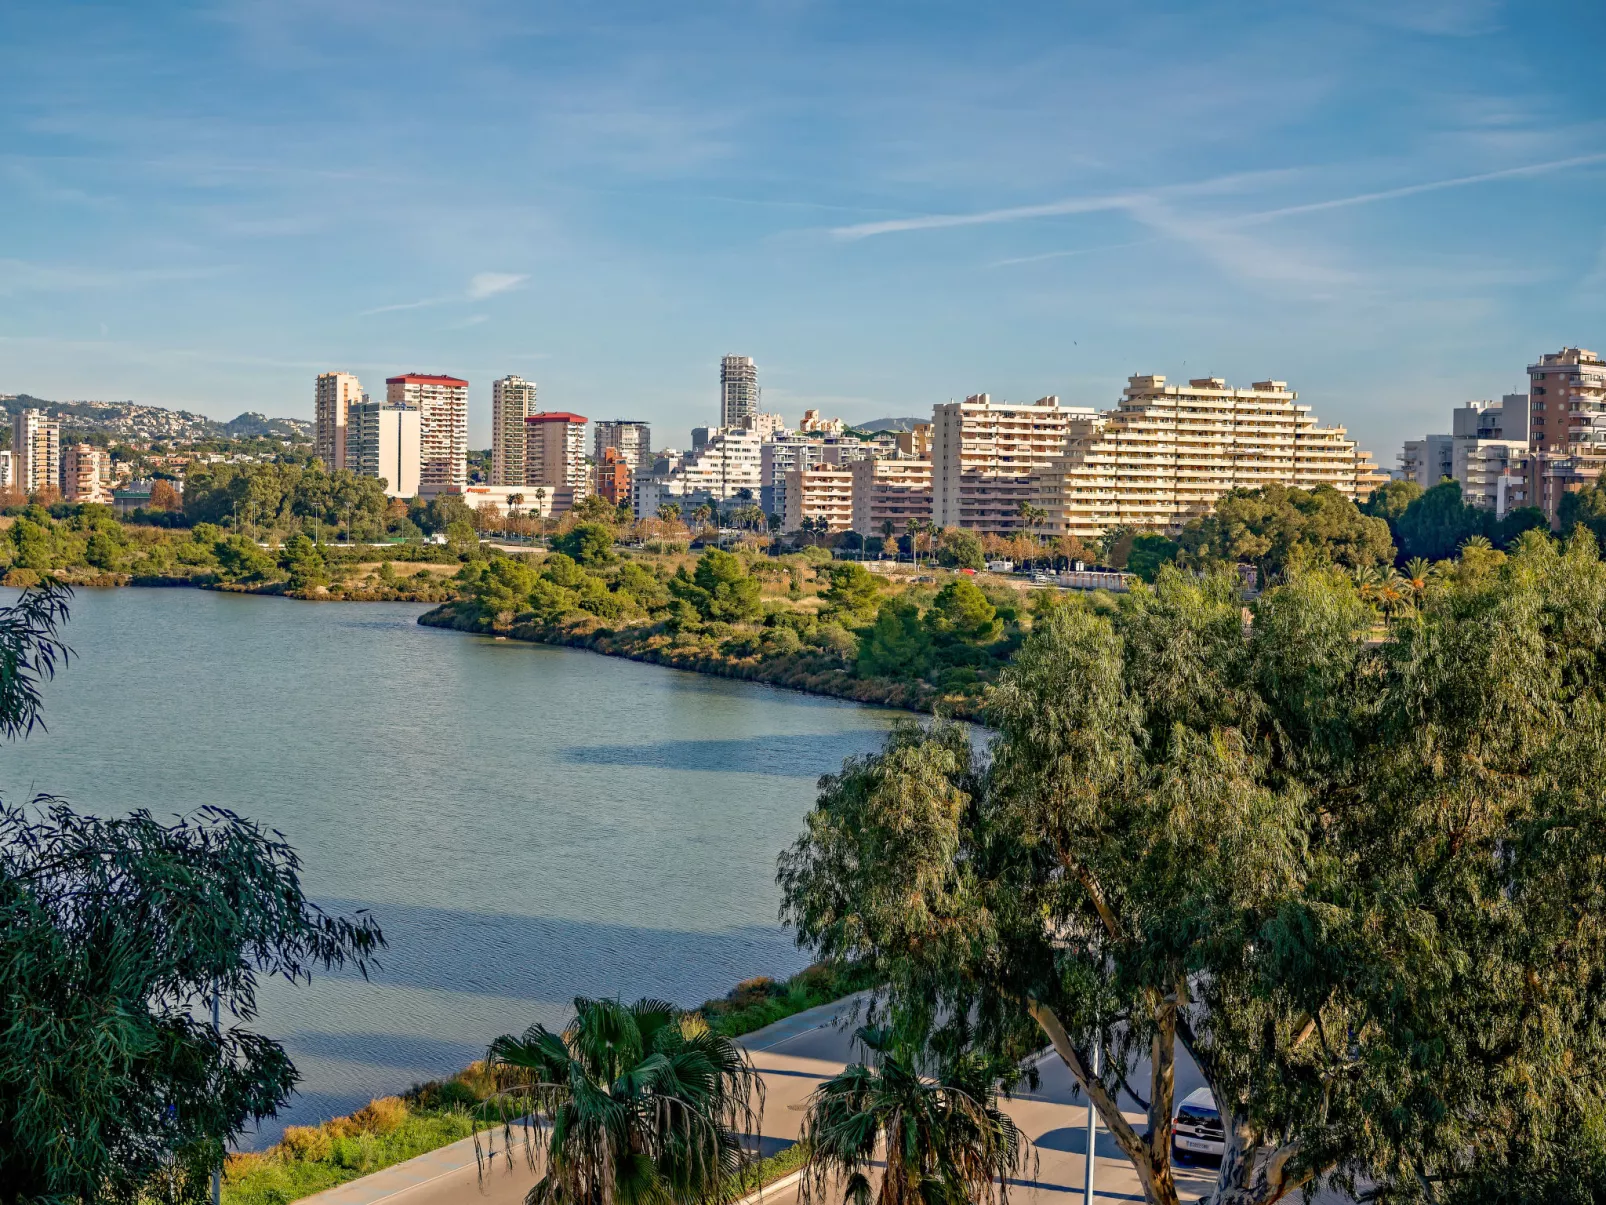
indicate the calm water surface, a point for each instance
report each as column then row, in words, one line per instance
column 527, row 824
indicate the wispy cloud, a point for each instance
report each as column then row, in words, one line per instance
column 480, row 286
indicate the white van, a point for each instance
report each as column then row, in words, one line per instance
column 1196, row 1128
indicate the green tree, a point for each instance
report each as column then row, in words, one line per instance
column 896, row 645
column 1389, row 500
column 590, row 544
column 1148, row 552
column 103, row 551
column 853, row 591
column 945, row 1140
column 32, row 545
column 1439, row 522
column 303, row 563
column 1276, row 527
column 640, row 1104
column 119, row 932
column 240, row 559
column 961, row 612
column 960, row 549
column 461, row 537
column 720, row 588
column 1332, row 867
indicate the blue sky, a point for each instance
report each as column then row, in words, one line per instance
column 1394, row 205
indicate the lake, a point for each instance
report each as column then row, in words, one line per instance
column 526, row 823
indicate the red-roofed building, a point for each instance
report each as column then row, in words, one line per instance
column 442, row 403
column 555, row 452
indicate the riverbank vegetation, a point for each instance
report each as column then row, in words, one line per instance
column 1354, row 869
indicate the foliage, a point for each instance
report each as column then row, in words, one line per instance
column 300, row 559
column 946, row 1142
column 1357, row 879
column 755, row 1003
column 1149, row 551
column 282, row 496
column 1276, row 527
column 853, row 591
column 1389, row 500
column 720, row 588
column 1584, row 508
column 30, row 652
column 960, row 549
column 1436, row 524
column 589, row 544
column 640, row 1103
column 896, row 645
column 961, row 613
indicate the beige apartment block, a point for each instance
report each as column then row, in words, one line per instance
column 555, row 452
column 35, row 451
column 823, row 492
column 984, row 454
column 1169, row 452
column 334, row 395
column 630, row 438
column 916, row 442
column 442, row 405
column 83, row 474
column 895, row 491
column 512, row 401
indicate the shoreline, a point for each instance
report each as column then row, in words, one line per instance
column 787, row 673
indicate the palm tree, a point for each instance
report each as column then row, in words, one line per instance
column 945, row 1141
column 631, row 1104
column 669, row 512
column 1417, row 570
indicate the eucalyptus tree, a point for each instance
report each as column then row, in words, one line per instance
column 640, row 1104
column 120, row 934
column 1358, row 879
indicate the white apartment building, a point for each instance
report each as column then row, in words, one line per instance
column 35, row 451
column 1429, row 460
column 512, row 401
column 1167, row 453
column 631, row 439
column 738, row 390
column 84, row 474
column 731, row 461
column 333, row 396
column 8, row 472
column 555, row 452
column 984, row 453
column 1488, row 450
column 890, row 491
column 823, row 492
column 777, row 458
column 386, row 442
column 765, row 426
column 442, row 405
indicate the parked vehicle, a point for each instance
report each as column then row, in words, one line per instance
column 1196, row 1128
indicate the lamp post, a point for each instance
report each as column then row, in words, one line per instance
column 1092, row 1128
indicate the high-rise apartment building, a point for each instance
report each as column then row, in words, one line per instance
column 334, row 395
column 35, row 451
column 613, row 476
column 512, row 401
column 1429, row 460
column 1169, row 452
column 442, row 405
column 983, row 455
column 386, row 442
column 890, row 491
column 555, row 452
column 83, row 474
column 729, row 463
column 738, row 390
column 1566, row 393
column 8, row 472
column 631, row 439
column 777, row 458
column 823, row 492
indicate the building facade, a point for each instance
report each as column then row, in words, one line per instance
column 777, row 458
column 729, row 463
column 613, row 476
column 442, row 405
column 35, row 451
column 890, row 491
column 333, row 396
column 738, row 390
column 631, row 439
column 984, row 455
column 555, row 452
column 512, row 401
column 84, row 473
column 1566, row 393
column 1167, row 453
column 1428, row 461
column 386, row 442
column 823, row 492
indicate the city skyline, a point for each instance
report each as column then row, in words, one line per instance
column 1390, row 205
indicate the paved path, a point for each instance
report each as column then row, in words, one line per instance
column 794, row 1056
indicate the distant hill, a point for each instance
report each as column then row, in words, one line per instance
column 133, row 421
column 890, row 424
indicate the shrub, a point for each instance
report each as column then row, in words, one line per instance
column 443, row 1094
column 306, row 1143
column 381, row 1115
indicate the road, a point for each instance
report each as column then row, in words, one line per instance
column 794, row 1056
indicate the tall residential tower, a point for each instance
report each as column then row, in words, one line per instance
column 512, row 401
column 336, row 393
column 35, row 451
column 738, row 390
column 632, row 440
column 442, row 405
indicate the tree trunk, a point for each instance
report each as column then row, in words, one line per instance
column 1150, row 1159
column 1244, row 1180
